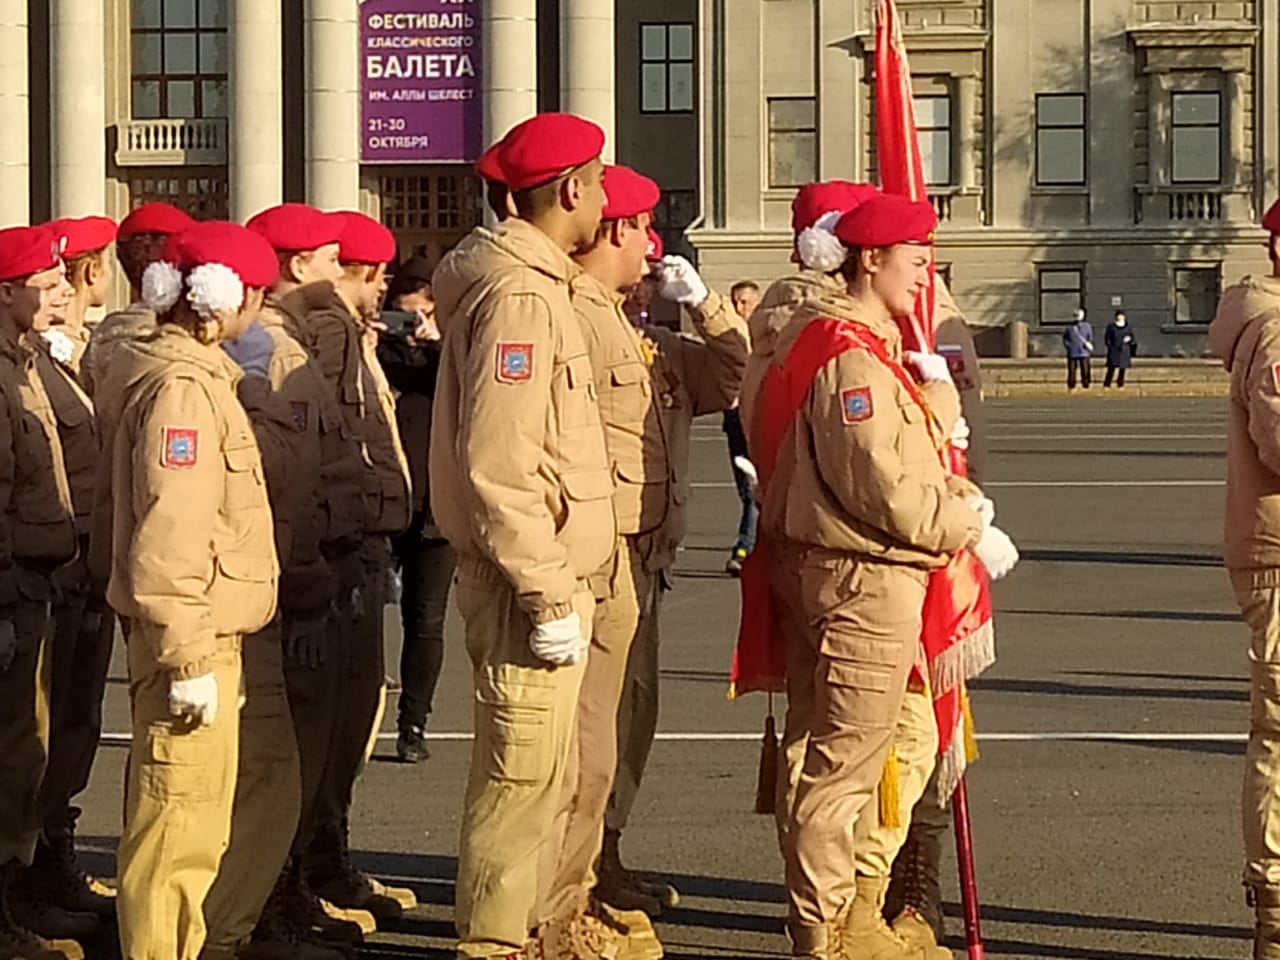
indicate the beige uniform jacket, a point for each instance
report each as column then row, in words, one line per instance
column 519, row 473
column 37, row 519
column 326, row 493
column 77, row 429
column 1245, row 335
column 349, row 365
column 651, row 383
column 194, row 554
column 134, row 322
column 859, row 470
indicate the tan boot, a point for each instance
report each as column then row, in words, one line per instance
column 866, row 935
column 619, row 887
column 1266, row 930
column 816, row 943
column 580, row 937
column 640, row 940
column 912, row 927
column 282, row 934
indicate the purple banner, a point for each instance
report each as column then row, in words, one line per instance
column 420, row 81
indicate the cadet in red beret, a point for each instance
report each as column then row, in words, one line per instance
column 38, row 536
column 83, row 627
column 306, row 241
column 365, row 247
column 508, row 440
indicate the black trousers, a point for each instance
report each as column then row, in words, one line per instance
column 1116, row 373
column 1083, row 368
column 426, row 568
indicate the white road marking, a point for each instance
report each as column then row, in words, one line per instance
column 1110, row 436
column 1035, row 484
column 1079, row 736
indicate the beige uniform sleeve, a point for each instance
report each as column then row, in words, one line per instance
column 875, row 462
column 1262, row 396
column 712, row 368
column 501, row 440
column 171, row 557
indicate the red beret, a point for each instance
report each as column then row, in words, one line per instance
column 1271, row 222
column 218, row 241
column 655, row 246
column 28, row 250
column 295, row 227
column 154, row 217
column 546, row 146
column 363, row 239
column 815, row 200
column 628, row 194
column 488, row 167
column 886, row 220
column 85, row 234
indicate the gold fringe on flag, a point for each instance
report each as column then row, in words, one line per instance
column 890, row 815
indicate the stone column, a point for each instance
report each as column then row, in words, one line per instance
column 1159, row 157
column 333, row 104
column 587, row 64
column 510, row 67
column 255, row 135
column 77, row 108
column 15, row 158
column 1235, row 104
column 966, row 141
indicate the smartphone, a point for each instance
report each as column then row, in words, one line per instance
column 399, row 323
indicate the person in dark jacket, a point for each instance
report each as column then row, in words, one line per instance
column 1078, row 339
column 1122, row 347
column 411, row 361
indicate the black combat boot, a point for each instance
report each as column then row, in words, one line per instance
column 915, row 893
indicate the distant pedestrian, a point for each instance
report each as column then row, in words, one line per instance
column 745, row 295
column 1122, row 347
column 1078, row 339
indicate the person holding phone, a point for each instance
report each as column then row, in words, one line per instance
column 409, row 350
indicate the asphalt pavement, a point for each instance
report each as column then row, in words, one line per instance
column 1106, row 803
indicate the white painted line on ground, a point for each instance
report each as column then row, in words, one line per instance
column 1085, row 736
column 1036, row 484
column 1110, row 436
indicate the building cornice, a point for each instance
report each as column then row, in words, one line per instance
column 1207, row 33
column 938, row 39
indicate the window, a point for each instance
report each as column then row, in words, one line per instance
column 1197, row 137
column 1060, row 156
column 200, row 191
column 675, row 211
column 793, row 141
column 1061, row 294
column 666, row 67
column 1195, row 293
column 179, row 61
column 933, row 124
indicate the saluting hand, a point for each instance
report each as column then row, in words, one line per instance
column 8, row 645
column 196, row 698
column 678, row 280
column 559, row 641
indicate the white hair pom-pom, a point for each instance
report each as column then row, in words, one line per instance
column 161, row 286
column 818, row 247
column 215, row 288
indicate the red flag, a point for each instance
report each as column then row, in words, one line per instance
column 957, row 630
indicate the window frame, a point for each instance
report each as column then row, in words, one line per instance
column 667, row 62
column 949, row 129
column 1194, row 266
column 771, row 132
column 1044, row 269
column 1082, row 127
column 163, row 79
column 1175, row 126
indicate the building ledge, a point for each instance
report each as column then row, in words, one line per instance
column 931, row 39
column 1205, row 33
column 171, row 143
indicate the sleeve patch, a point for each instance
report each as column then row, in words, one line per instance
column 855, row 404
column 299, row 410
column 181, row 446
column 515, row 362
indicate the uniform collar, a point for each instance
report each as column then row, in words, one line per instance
column 587, row 286
column 530, row 245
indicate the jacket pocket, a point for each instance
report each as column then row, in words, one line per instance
column 513, row 726
column 245, row 486
column 587, row 485
column 576, row 399
column 246, row 567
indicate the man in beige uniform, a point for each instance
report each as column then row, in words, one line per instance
column 83, row 631
column 1246, row 336
column 520, row 486
column 37, row 536
column 858, row 477
column 195, row 570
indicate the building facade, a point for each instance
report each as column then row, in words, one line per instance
column 1081, row 153
column 1099, row 154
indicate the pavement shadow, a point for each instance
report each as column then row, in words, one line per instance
column 1148, row 675
column 1175, row 616
column 1059, row 688
column 1135, row 558
column 1087, row 921
column 1024, row 948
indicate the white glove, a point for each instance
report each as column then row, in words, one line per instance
column 961, row 434
column 8, row 645
column 930, row 367
column 61, row 347
column 252, row 351
column 679, row 281
column 996, row 552
column 558, row 641
column 984, row 507
column 196, row 698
